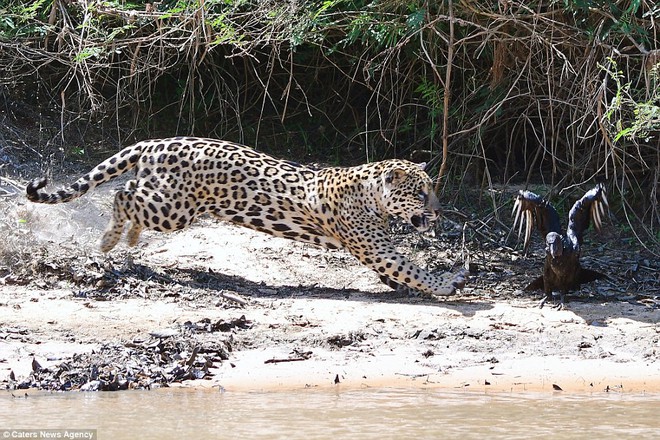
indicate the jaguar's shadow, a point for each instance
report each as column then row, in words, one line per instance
column 218, row 283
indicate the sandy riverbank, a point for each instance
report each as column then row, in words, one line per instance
column 268, row 314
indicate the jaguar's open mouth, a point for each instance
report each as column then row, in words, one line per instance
column 420, row 222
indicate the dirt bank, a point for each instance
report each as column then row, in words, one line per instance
column 218, row 305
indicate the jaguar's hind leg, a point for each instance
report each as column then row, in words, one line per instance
column 133, row 234
column 145, row 208
column 120, row 216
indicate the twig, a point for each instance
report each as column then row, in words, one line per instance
column 447, row 96
column 303, row 357
column 234, row 298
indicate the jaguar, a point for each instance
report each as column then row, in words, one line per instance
column 177, row 179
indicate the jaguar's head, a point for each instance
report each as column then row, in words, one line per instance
column 408, row 193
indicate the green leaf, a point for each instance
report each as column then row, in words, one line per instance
column 416, row 19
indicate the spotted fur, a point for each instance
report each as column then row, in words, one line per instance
column 178, row 179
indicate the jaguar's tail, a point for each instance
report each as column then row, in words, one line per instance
column 110, row 168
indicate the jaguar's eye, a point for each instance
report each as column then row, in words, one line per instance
column 423, row 196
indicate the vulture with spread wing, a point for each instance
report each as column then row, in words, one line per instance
column 562, row 271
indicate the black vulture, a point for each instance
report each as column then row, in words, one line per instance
column 562, row 270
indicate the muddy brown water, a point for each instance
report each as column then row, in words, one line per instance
column 332, row 414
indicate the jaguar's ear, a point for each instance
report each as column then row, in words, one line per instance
column 422, row 166
column 395, row 176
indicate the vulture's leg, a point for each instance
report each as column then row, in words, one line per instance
column 562, row 297
column 553, row 295
column 542, row 302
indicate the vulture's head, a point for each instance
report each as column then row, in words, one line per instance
column 554, row 244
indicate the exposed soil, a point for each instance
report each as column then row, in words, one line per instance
column 219, row 305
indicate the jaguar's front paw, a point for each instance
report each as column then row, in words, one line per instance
column 452, row 282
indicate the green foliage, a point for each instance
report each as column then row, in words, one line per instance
column 125, row 5
column 19, row 19
column 179, row 7
column 384, row 29
column 629, row 117
column 432, row 95
column 32, row 10
column 604, row 17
